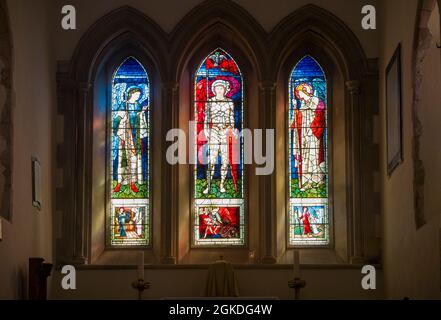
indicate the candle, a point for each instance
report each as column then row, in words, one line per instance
column 141, row 265
column 251, row 256
column 296, row 264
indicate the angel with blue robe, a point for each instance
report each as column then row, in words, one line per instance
column 131, row 132
column 123, row 218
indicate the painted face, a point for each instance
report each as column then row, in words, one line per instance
column 303, row 95
column 135, row 96
column 219, row 91
column 303, row 92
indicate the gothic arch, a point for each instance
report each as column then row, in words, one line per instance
column 214, row 21
column 422, row 43
column 6, row 106
column 324, row 29
column 113, row 28
column 208, row 38
column 262, row 58
column 214, row 24
column 119, row 34
column 351, row 95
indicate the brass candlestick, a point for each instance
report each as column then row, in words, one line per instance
column 140, row 285
column 297, row 284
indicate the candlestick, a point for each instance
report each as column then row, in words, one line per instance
column 251, row 256
column 297, row 284
column 296, row 264
column 141, row 265
column 140, row 286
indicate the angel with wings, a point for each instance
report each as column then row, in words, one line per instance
column 130, row 127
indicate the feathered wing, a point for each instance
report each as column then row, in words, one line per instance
column 119, row 90
column 144, row 99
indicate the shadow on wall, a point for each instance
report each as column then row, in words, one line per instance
column 19, row 278
column 5, row 113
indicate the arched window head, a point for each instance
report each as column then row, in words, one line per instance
column 219, row 206
column 129, row 155
column 308, row 156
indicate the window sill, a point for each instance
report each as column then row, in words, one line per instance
column 341, row 266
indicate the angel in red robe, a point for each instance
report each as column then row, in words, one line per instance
column 304, row 218
column 308, row 126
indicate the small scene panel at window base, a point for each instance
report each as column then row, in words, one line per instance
column 219, row 213
column 308, row 156
column 129, row 216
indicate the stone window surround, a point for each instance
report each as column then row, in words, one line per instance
column 265, row 60
column 422, row 43
column 6, row 109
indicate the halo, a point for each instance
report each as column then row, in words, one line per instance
column 131, row 88
column 223, row 83
column 304, row 87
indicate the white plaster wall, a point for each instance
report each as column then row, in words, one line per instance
column 411, row 257
column 30, row 233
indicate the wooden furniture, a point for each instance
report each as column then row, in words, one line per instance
column 38, row 274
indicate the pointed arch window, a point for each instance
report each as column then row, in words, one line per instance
column 219, row 206
column 308, row 156
column 128, row 143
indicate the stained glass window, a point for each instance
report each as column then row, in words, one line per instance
column 218, row 216
column 129, row 124
column 308, row 155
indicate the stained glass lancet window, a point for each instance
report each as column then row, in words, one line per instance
column 129, row 144
column 308, row 155
column 218, row 216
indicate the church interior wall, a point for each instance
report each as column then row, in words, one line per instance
column 167, row 13
column 189, row 281
column 186, row 255
column 411, row 256
column 29, row 233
